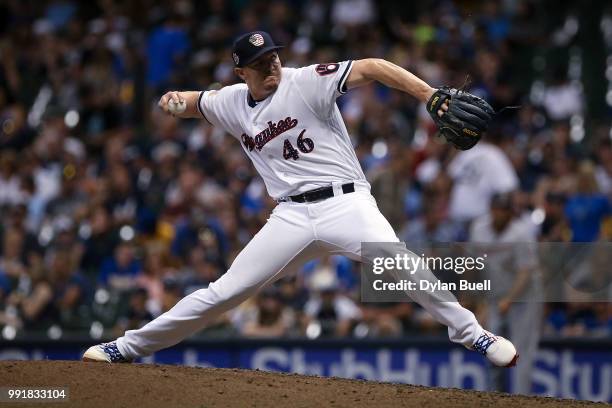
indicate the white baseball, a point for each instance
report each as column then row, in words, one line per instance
column 176, row 108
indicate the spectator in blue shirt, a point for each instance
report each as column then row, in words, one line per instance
column 166, row 46
column 587, row 208
column 70, row 288
column 120, row 270
column 5, row 285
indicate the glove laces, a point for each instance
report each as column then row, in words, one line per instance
column 468, row 81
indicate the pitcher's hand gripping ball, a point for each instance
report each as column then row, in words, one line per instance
column 466, row 119
column 176, row 108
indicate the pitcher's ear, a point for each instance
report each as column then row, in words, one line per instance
column 239, row 72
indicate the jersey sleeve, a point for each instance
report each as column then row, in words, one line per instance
column 321, row 84
column 218, row 107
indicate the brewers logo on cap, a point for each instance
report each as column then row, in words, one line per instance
column 256, row 39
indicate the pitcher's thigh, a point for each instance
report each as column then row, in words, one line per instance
column 357, row 220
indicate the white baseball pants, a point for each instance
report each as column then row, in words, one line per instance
column 294, row 234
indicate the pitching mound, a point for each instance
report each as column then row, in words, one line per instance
column 142, row 385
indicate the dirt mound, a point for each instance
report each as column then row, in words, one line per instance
column 151, row 386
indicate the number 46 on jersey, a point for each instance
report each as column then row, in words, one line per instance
column 304, row 144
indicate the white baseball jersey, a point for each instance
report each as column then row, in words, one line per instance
column 296, row 137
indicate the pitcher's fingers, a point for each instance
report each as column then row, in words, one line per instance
column 163, row 101
column 175, row 97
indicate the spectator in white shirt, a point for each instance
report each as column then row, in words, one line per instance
column 478, row 174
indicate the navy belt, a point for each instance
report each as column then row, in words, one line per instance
column 319, row 194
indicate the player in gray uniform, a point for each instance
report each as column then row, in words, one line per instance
column 514, row 303
column 289, row 125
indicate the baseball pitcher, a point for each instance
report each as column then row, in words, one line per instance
column 289, row 125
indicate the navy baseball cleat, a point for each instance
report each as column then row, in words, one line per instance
column 499, row 350
column 105, row 352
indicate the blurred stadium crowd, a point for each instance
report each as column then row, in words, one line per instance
column 112, row 211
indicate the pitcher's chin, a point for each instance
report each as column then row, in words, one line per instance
column 271, row 83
